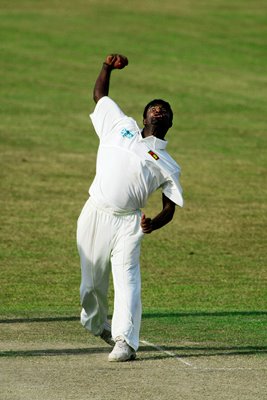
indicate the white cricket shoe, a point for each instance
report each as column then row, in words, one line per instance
column 122, row 351
column 106, row 334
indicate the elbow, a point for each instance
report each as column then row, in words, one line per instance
column 96, row 97
column 170, row 210
column 98, row 93
column 170, row 217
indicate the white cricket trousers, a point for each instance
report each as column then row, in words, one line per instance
column 106, row 241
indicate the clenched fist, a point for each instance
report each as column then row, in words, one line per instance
column 116, row 61
column 146, row 224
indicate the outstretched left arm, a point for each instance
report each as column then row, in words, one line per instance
column 149, row 225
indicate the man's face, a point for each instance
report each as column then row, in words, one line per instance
column 158, row 115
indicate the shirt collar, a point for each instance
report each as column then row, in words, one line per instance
column 153, row 142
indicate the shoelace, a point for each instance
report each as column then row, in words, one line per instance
column 121, row 343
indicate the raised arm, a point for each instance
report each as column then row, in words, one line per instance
column 113, row 61
column 149, row 225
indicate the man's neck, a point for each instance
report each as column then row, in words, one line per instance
column 152, row 130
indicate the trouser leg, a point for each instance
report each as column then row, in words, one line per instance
column 126, row 319
column 93, row 241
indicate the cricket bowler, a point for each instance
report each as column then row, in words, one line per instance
column 132, row 163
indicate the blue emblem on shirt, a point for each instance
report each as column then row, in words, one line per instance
column 127, row 134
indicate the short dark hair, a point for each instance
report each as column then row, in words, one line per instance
column 158, row 102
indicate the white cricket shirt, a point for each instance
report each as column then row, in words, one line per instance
column 129, row 167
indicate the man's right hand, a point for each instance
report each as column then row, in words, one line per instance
column 116, row 61
column 113, row 61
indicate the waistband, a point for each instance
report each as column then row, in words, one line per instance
column 110, row 210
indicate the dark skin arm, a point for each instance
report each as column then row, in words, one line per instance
column 101, row 88
column 113, row 61
column 149, row 225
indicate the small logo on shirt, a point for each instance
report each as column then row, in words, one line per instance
column 127, row 134
column 154, row 155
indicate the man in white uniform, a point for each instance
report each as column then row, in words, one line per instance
column 131, row 164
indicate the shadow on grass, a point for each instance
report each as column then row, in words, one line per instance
column 144, row 316
column 177, row 351
column 54, row 352
column 203, row 314
column 195, row 351
column 146, row 352
column 38, row 319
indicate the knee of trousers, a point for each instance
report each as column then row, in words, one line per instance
column 94, row 312
column 90, row 298
column 93, row 301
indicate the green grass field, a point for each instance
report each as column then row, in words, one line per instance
column 204, row 275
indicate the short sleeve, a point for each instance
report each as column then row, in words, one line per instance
column 105, row 116
column 173, row 190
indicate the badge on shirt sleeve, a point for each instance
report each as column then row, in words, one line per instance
column 154, row 155
column 127, row 134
